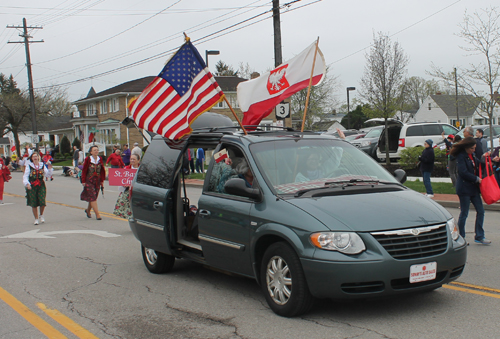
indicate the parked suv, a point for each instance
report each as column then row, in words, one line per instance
column 305, row 215
column 402, row 135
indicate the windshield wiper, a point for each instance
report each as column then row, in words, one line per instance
column 352, row 181
column 301, row 192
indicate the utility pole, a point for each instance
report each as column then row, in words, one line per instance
column 26, row 43
column 456, row 98
column 278, row 56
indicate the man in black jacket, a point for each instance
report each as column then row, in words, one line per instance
column 427, row 165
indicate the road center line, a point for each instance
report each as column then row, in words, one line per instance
column 472, row 291
column 30, row 316
column 67, row 323
column 477, row 287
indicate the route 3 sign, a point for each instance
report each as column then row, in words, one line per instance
column 282, row 110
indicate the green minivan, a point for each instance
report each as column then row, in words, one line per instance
column 307, row 216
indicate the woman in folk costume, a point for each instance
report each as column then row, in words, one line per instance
column 93, row 175
column 122, row 206
column 35, row 186
column 4, row 177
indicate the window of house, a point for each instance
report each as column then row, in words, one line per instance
column 91, row 109
column 429, row 106
column 104, row 106
column 113, row 105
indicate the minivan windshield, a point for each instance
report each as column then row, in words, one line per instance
column 373, row 133
column 294, row 165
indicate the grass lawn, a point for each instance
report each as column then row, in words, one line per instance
column 437, row 187
column 64, row 163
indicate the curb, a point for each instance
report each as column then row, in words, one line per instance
column 456, row 204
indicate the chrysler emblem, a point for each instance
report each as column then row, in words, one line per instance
column 415, row 231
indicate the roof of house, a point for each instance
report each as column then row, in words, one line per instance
column 226, row 83
column 48, row 124
column 467, row 104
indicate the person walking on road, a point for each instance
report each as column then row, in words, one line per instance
column 452, row 161
column 122, row 206
column 467, row 188
column 137, row 150
column 200, row 157
column 427, row 165
column 76, row 156
column 126, row 155
column 93, row 175
column 35, row 186
column 4, row 177
column 115, row 159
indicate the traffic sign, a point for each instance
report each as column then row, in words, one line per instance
column 282, row 110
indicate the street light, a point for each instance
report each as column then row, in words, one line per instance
column 207, row 53
column 348, row 116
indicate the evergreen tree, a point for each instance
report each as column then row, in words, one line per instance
column 76, row 142
column 64, row 145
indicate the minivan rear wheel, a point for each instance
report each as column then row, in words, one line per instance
column 157, row 262
column 283, row 281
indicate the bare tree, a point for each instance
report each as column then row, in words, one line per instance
column 481, row 32
column 321, row 102
column 383, row 78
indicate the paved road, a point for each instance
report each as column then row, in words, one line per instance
column 91, row 282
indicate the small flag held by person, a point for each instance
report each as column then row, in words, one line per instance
column 219, row 156
column 259, row 96
column 182, row 91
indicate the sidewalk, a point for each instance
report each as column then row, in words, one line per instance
column 445, row 200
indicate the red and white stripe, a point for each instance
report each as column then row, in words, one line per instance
column 161, row 110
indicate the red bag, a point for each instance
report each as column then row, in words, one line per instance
column 489, row 186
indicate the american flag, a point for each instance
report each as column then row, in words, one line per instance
column 182, row 91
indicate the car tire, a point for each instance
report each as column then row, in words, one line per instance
column 157, row 262
column 283, row 281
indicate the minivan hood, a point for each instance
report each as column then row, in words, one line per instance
column 373, row 211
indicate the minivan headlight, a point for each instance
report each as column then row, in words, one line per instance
column 344, row 242
column 365, row 143
column 452, row 225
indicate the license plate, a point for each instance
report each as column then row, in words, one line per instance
column 423, row 272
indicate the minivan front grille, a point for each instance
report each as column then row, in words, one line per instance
column 414, row 243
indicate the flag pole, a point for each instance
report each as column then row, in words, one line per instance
column 234, row 113
column 310, row 85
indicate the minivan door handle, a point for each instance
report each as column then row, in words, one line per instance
column 157, row 204
column 204, row 213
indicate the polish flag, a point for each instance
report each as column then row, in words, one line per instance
column 219, row 156
column 259, row 96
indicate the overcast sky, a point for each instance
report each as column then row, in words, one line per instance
column 85, row 38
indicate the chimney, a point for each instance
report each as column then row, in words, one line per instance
column 438, row 93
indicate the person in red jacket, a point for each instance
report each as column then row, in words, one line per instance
column 93, row 176
column 4, row 177
column 116, row 160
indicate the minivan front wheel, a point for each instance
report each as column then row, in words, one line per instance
column 283, row 281
column 157, row 262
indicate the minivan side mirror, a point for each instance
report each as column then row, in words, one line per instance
column 237, row 186
column 400, row 175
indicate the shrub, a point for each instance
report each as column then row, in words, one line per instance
column 76, row 142
column 409, row 158
column 64, row 146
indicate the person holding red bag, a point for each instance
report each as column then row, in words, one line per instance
column 467, row 187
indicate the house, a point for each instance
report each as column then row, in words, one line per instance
column 442, row 108
column 99, row 115
column 50, row 128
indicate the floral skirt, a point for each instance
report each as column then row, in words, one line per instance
column 122, row 207
column 36, row 196
column 90, row 190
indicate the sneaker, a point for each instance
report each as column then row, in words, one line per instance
column 430, row 195
column 483, row 241
column 42, row 219
column 36, row 222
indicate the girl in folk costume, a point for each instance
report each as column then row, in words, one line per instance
column 47, row 159
column 35, row 186
column 4, row 177
column 122, row 207
column 93, row 175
